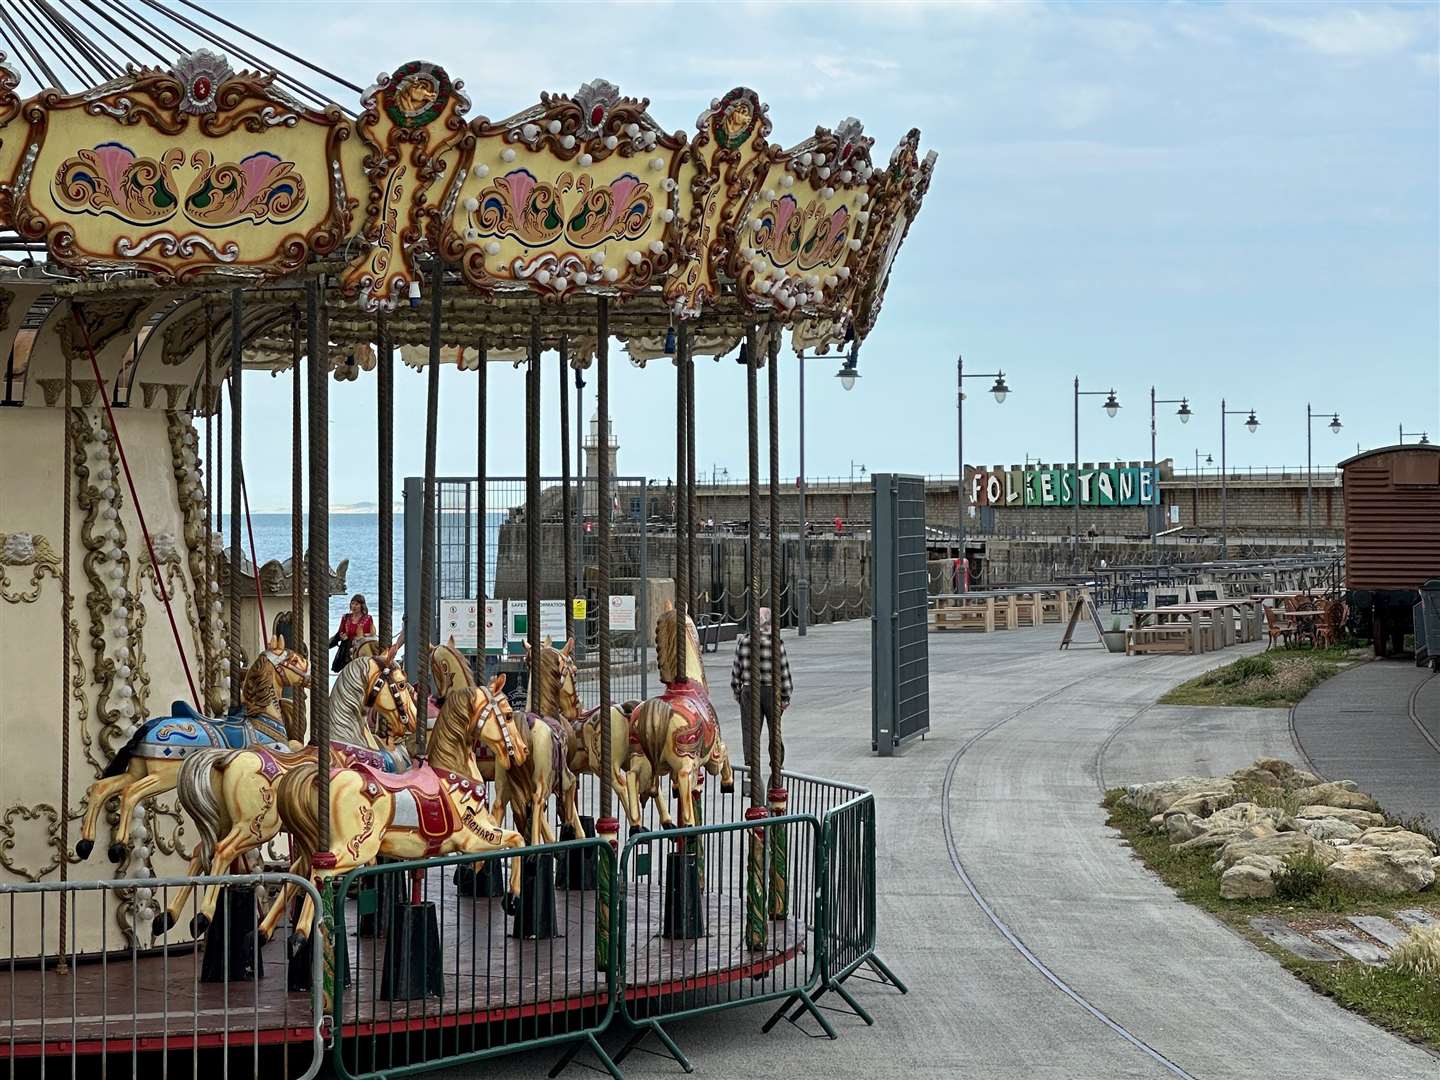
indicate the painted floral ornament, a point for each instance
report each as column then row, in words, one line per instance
column 201, row 73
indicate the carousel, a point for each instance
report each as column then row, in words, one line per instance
column 207, row 846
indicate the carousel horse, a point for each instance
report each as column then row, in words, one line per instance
column 525, row 782
column 149, row 763
column 450, row 670
column 558, row 681
column 679, row 731
column 437, row 808
column 365, row 646
column 231, row 794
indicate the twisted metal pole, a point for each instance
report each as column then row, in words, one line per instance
column 681, row 503
column 482, row 391
column 608, row 827
column 692, row 555
column 567, row 589
column 421, row 633
column 385, row 467
column 532, row 510
column 206, row 589
column 317, row 559
column 237, row 338
column 67, row 459
column 779, row 797
column 297, row 494
column 755, row 883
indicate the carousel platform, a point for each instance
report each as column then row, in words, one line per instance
column 488, row 981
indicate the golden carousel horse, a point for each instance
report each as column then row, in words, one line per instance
column 679, row 731
column 231, row 794
column 149, row 763
column 437, row 808
column 525, row 782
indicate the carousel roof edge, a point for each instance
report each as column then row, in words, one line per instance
column 204, row 176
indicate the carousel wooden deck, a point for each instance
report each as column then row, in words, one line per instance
column 487, row 978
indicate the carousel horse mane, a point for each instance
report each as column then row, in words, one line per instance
column 452, row 744
column 347, row 708
column 667, row 653
column 545, row 699
column 258, row 688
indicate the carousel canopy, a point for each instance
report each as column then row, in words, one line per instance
column 145, row 189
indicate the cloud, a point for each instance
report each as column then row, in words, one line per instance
column 1350, row 33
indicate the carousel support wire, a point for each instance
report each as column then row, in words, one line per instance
column 532, row 510
column 72, row 9
column 84, row 50
column 67, row 433
column 565, row 500
column 79, row 318
column 237, row 339
column 482, row 376
column 297, row 497
column 427, row 514
column 317, row 562
column 385, row 470
column 680, row 504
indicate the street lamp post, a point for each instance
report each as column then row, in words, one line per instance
column 1208, row 460
column 1335, row 427
column 1250, row 424
column 1001, row 391
column 1184, row 413
column 1111, row 407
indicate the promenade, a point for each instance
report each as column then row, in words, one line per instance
column 1034, row 945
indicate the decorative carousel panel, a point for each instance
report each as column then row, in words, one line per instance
column 411, row 120
column 12, row 141
column 895, row 197
column 183, row 172
column 718, row 176
column 574, row 192
column 801, row 229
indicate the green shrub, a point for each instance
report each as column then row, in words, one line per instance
column 1301, row 879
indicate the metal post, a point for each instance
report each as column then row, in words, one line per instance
column 421, row 636
column 1224, row 487
column 566, row 588
column 1154, row 534
column 960, row 491
column 482, row 538
column 1309, row 489
column 532, row 509
column 681, row 506
column 756, row 907
column 317, row 566
column 608, row 826
column 1075, row 479
column 802, row 585
column 580, row 482
column 236, row 478
column 385, row 464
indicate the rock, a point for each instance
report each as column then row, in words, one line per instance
column 1216, row 838
column 1303, row 779
column 1157, row 821
column 1250, row 879
column 1390, row 873
column 1182, row 827
column 1239, row 815
column 1366, row 819
column 1341, row 793
column 1329, row 828
column 1253, row 774
column 1271, row 772
column 1281, row 845
column 1395, row 838
column 1157, row 797
column 1202, row 803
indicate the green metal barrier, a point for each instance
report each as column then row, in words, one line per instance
column 452, row 983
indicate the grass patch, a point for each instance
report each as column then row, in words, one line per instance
column 1401, row 1001
column 1276, row 678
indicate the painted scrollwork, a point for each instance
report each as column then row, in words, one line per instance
column 23, row 812
column 129, row 188
column 22, row 551
column 896, row 194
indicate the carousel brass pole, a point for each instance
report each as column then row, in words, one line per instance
column 532, row 512
column 420, row 635
column 681, row 505
column 567, row 588
column 237, row 338
column 482, row 375
column 62, row 966
column 206, row 589
column 297, row 517
column 317, row 559
column 692, row 560
column 608, row 827
column 385, row 466
column 755, row 907
column 779, row 798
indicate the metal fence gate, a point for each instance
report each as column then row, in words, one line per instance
column 900, row 658
column 461, row 581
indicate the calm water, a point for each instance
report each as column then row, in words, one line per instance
column 355, row 537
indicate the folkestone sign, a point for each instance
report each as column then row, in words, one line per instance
column 1137, row 485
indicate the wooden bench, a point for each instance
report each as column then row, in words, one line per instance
column 1176, row 637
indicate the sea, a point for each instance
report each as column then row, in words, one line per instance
column 353, row 536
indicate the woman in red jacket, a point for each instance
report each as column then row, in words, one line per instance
column 355, row 625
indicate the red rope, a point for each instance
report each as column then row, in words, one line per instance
column 135, row 498
column 254, row 559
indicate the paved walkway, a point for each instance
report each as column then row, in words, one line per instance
column 1379, row 725
column 1035, row 946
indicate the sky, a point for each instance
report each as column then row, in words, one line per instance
column 1221, row 200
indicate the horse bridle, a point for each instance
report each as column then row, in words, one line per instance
column 282, row 661
column 384, row 674
column 492, row 707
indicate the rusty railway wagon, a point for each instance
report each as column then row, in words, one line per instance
column 1392, row 537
